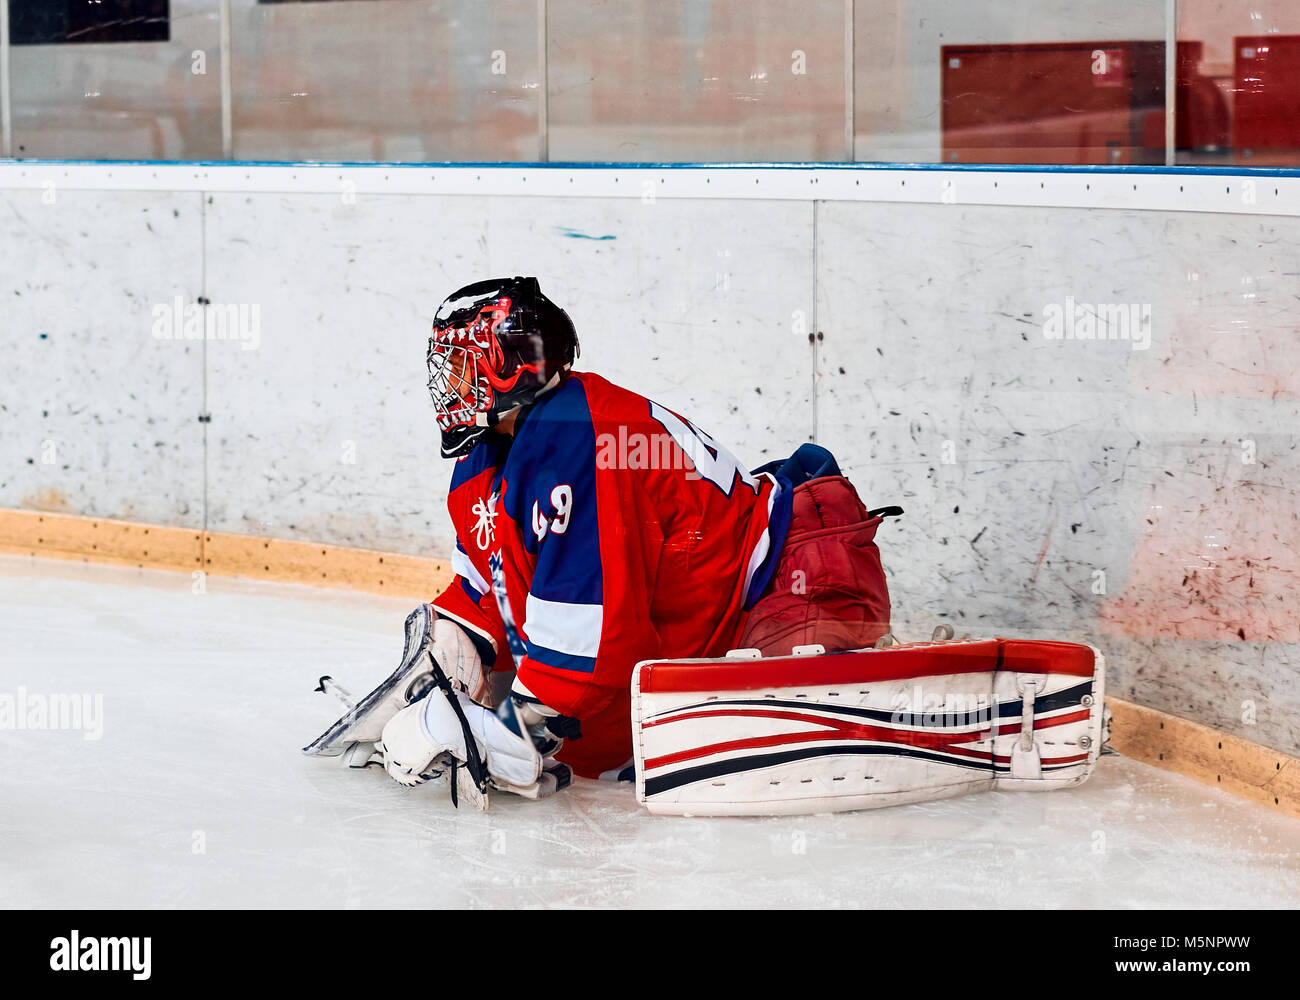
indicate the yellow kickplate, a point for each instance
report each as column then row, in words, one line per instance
column 1239, row 766
column 324, row 565
column 97, row 539
column 152, row 546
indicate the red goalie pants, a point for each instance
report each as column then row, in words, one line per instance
column 829, row 587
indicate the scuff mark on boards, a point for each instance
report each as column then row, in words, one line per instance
column 1033, row 577
column 573, row 234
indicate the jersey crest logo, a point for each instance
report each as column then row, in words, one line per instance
column 485, row 527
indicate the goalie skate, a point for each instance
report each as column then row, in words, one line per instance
column 356, row 732
column 809, row 733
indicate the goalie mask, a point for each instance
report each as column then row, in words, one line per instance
column 496, row 346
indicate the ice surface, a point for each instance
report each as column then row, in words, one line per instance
column 197, row 795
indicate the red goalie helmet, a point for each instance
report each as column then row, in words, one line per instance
column 496, row 346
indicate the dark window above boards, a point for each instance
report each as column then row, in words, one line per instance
column 70, row 22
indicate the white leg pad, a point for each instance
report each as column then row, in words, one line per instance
column 864, row 729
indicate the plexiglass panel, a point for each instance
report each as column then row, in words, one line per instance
column 683, row 80
column 1009, row 81
column 107, row 99
column 389, row 80
column 1243, row 103
column 999, row 81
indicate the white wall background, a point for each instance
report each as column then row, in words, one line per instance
column 96, row 416
column 1034, row 472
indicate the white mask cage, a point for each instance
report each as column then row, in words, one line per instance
column 460, row 390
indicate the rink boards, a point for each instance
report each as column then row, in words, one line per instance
column 1128, row 490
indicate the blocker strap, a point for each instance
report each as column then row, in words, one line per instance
column 478, row 771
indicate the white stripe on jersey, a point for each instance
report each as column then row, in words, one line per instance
column 461, row 566
column 764, row 540
column 566, row 628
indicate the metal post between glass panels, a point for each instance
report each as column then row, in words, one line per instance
column 1171, row 80
column 543, row 86
column 6, row 125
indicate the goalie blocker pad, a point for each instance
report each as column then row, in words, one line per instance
column 863, row 729
column 356, row 731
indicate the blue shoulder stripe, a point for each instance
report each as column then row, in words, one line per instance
column 563, row 661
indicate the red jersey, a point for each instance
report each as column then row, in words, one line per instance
column 606, row 531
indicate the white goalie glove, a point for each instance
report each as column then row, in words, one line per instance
column 509, row 749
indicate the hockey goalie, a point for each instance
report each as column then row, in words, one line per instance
column 631, row 603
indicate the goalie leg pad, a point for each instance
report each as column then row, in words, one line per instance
column 870, row 728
